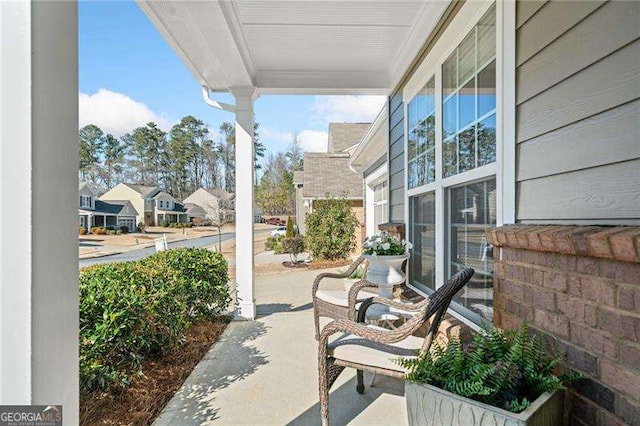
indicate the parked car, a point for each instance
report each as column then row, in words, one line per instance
column 275, row 221
column 280, row 231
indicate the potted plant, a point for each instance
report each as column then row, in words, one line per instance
column 386, row 254
column 500, row 377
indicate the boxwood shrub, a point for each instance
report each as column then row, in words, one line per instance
column 135, row 310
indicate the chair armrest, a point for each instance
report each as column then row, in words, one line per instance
column 353, row 295
column 374, row 334
column 346, row 274
column 409, row 307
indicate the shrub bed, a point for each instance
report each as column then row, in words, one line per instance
column 135, row 310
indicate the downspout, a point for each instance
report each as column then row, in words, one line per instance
column 215, row 104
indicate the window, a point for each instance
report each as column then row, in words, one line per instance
column 380, row 197
column 422, row 136
column 161, row 203
column 85, row 201
column 469, row 100
column 472, row 210
column 451, row 164
column 422, row 231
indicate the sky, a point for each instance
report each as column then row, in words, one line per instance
column 130, row 76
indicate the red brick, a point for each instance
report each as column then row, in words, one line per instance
column 563, row 241
column 527, row 294
column 593, row 340
column 610, row 420
column 630, row 356
column 584, row 411
column 492, row 237
column 502, row 236
column 631, row 327
column 620, row 378
column 522, row 236
column 534, row 238
column 547, row 240
column 512, row 240
column 629, row 298
column 620, row 324
column 554, row 323
column 598, row 242
column 498, row 269
column 623, row 247
column 567, row 262
column 576, row 309
column 513, row 290
column 586, row 265
column 628, row 272
column 499, row 301
column 607, row 268
column 598, row 290
column 629, row 411
column 579, row 239
column 544, row 299
column 556, row 281
column 515, row 272
column 510, row 322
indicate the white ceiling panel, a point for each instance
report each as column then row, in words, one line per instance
column 296, row 46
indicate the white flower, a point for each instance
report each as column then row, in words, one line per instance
column 386, row 246
column 409, row 245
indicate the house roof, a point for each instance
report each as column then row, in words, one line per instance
column 114, row 207
column 343, row 136
column 87, row 185
column 164, row 194
column 143, row 190
column 330, row 173
column 298, row 176
column 221, row 194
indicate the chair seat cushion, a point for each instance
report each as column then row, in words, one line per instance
column 340, row 297
column 357, row 350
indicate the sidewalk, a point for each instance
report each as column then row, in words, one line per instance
column 264, row 372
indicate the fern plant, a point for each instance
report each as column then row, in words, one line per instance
column 506, row 369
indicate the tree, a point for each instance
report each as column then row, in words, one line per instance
column 275, row 192
column 91, row 140
column 227, row 155
column 295, row 154
column 331, row 228
column 146, row 147
column 187, row 143
column 114, row 152
column 258, row 152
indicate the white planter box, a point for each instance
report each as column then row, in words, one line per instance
column 428, row 405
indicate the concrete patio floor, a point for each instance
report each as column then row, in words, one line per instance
column 264, row 372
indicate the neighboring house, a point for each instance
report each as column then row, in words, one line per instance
column 152, row 205
column 94, row 212
column 329, row 173
column 370, row 161
column 218, row 204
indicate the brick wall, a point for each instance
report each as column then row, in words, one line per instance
column 579, row 286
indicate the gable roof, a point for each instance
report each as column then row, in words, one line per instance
column 115, row 207
column 330, row 173
column 343, row 136
column 143, row 190
column 87, row 185
column 298, row 177
column 221, row 194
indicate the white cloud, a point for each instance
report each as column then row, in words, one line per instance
column 347, row 109
column 267, row 133
column 117, row 113
column 313, row 141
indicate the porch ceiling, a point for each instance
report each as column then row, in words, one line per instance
column 297, row 46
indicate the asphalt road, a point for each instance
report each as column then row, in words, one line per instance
column 139, row 254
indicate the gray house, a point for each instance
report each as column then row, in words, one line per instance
column 95, row 212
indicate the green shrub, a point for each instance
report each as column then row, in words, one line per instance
column 165, row 223
column 123, row 229
column 82, row 231
column 506, row 369
column 119, row 232
column 278, row 247
column 294, row 246
column 331, row 228
column 141, row 227
column 289, row 233
column 111, row 232
column 269, row 244
column 134, row 310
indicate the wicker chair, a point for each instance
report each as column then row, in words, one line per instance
column 339, row 304
column 374, row 349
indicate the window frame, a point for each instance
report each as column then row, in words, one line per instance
column 86, row 197
column 503, row 169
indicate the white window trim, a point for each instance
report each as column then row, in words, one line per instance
column 375, row 178
column 504, row 167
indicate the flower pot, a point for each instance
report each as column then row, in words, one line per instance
column 386, row 271
column 429, row 405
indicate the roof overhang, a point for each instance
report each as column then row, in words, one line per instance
column 373, row 145
column 297, row 46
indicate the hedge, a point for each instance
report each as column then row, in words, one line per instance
column 135, row 310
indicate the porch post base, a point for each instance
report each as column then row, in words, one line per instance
column 245, row 311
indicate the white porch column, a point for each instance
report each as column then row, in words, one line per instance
column 245, row 305
column 39, row 169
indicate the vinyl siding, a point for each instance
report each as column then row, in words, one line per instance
column 396, row 158
column 123, row 192
column 578, row 112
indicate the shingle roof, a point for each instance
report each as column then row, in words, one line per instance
column 345, row 135
column 329, row 173
column 221, row 194
column 113, row 206
column 143, row 189
column 194, row 210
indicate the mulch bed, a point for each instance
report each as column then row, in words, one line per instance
column 326, row 264
column 144, row 399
